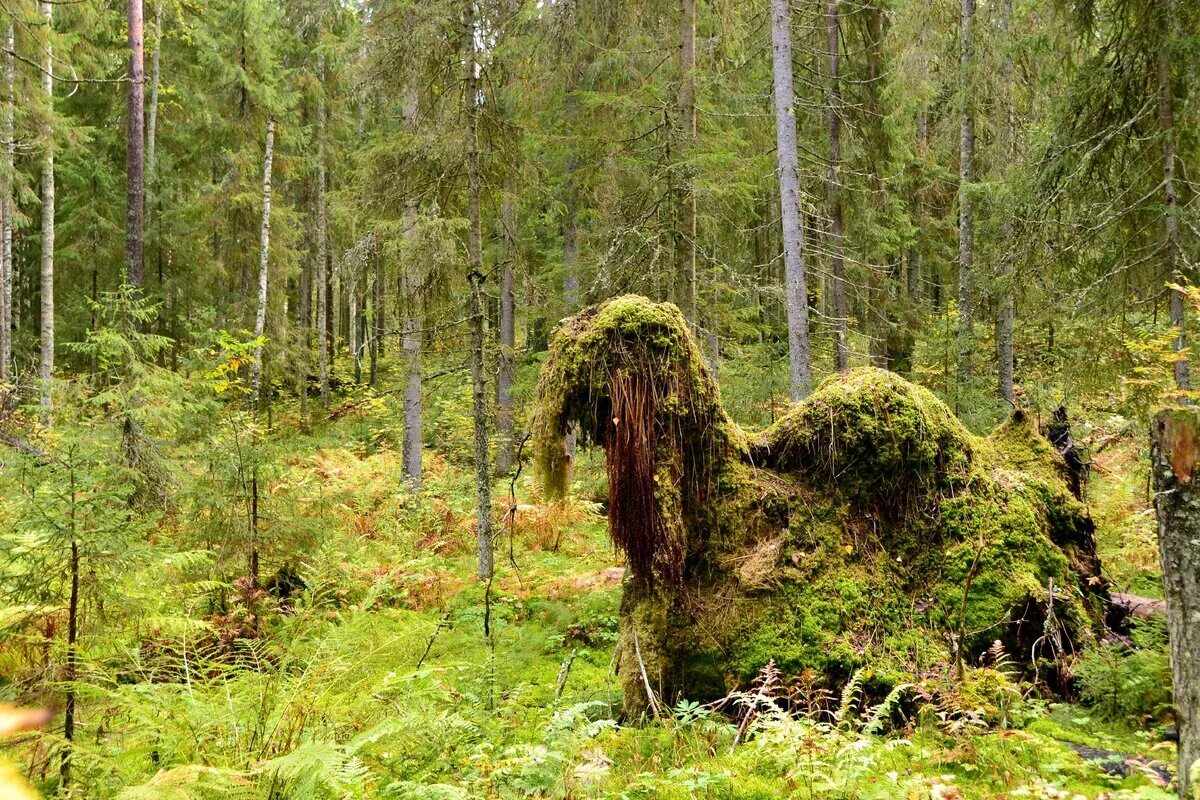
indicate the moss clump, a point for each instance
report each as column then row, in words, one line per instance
column 866, row 527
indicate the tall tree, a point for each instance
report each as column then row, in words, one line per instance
column 322, row 248
column 413, row 442
column 796, row 281
column 966, row 211
column 506, row 451
column 46, row 362
column 685, row 233
column 1170, row 193
column 135, row 142
column 264, row 252
column 841, row 320
column 1007, row 256
column 477, row 317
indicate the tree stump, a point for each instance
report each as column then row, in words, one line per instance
column 1175, row 453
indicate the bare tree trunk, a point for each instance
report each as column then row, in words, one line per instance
column 685, row 236
column 1166, row 118
column 264, row 251
column 841, row 321
column 483, row 482
column 71, row 671
column 966, row 212
column 378, row 313
column 796, row 288
column 152, row 114
column 352, row 298
column 412, row 443
column 1004, row 312
column 46, row 366
column 322, row 252
column 7, row 210
column 506, row 454
column 135, row 142
column 1175, row 451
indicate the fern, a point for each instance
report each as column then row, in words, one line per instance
column 885, row 711
column 852, row 694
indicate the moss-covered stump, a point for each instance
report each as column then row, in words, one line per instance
column 866, row 527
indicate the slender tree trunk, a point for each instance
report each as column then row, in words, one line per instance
column 264, row 251
column 1004, row 311
column 70, row 673
column 135, row 155
column 378, row 313
column 1175, row 451
column 355, row 354
column 685, row 235
column 322, row 254
column 483, row 481
column 7, row 210
column 966, row 212
column 506, row 454
column 841, row 321
column 152, row 116
column 1166, row 117
column 412, row 444
column 46, row 366
column 796, row 282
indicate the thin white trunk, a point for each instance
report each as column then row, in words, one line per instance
column 479, row 411
column 966, row 212
column 322, row 254
column 260, row 315
column 135, row 149
column 351, row 288
column 46, row 366
column 506, row 454
column 413, row 442
column 7, row 210
column 685, row 236
column 799, row 350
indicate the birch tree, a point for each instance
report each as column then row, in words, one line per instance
column 841, row 320
column 966, row 211
column 46, row 362
column 264, row 260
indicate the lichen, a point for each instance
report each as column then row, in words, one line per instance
column 867, row 527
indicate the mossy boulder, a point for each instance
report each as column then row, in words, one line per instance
column 868, row 526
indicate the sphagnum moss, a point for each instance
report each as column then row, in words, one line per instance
column 867, row 526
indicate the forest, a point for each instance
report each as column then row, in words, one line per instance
column 454, row 399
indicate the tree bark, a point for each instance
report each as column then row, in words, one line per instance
column 685, row 235
column 7, row 210
column 322, row 253
column 135, row 143
column 483, row 482
column 152, row 115
column 1004, row 288
column 796, row 282
column 506, row 454
column 264, row 250
column 46, row 365
column 1166, row 118
column 412, row 443
column 1175, row 451
column 966, row 213
column 841, row 321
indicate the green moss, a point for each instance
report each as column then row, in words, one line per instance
column 867, row 527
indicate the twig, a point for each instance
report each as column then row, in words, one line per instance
column 637, row 651
column 433, row 637
column 564, row 672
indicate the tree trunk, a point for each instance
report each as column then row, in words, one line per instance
column 152, row 116
column 135, row 142
column 506, row 454
column 483, row 483
column 70, row 673
column 412, row 443
column 841, row 320
column 355, row 354
column 966, row 213
column 321, row 255
column 378, row 312
column 796, row 288
column 1166, row 120
column 1175, row 451
column 1004, row 311
column 7, row 211
column 685, row 235
column 264, row 250
column 46, row 366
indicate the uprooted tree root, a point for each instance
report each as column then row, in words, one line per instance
column 867, row 526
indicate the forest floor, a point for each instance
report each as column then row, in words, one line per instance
column 378, row 679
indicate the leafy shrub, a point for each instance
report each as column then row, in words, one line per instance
column 1128, row 682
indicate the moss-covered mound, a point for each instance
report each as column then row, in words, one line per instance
column 866, row 527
